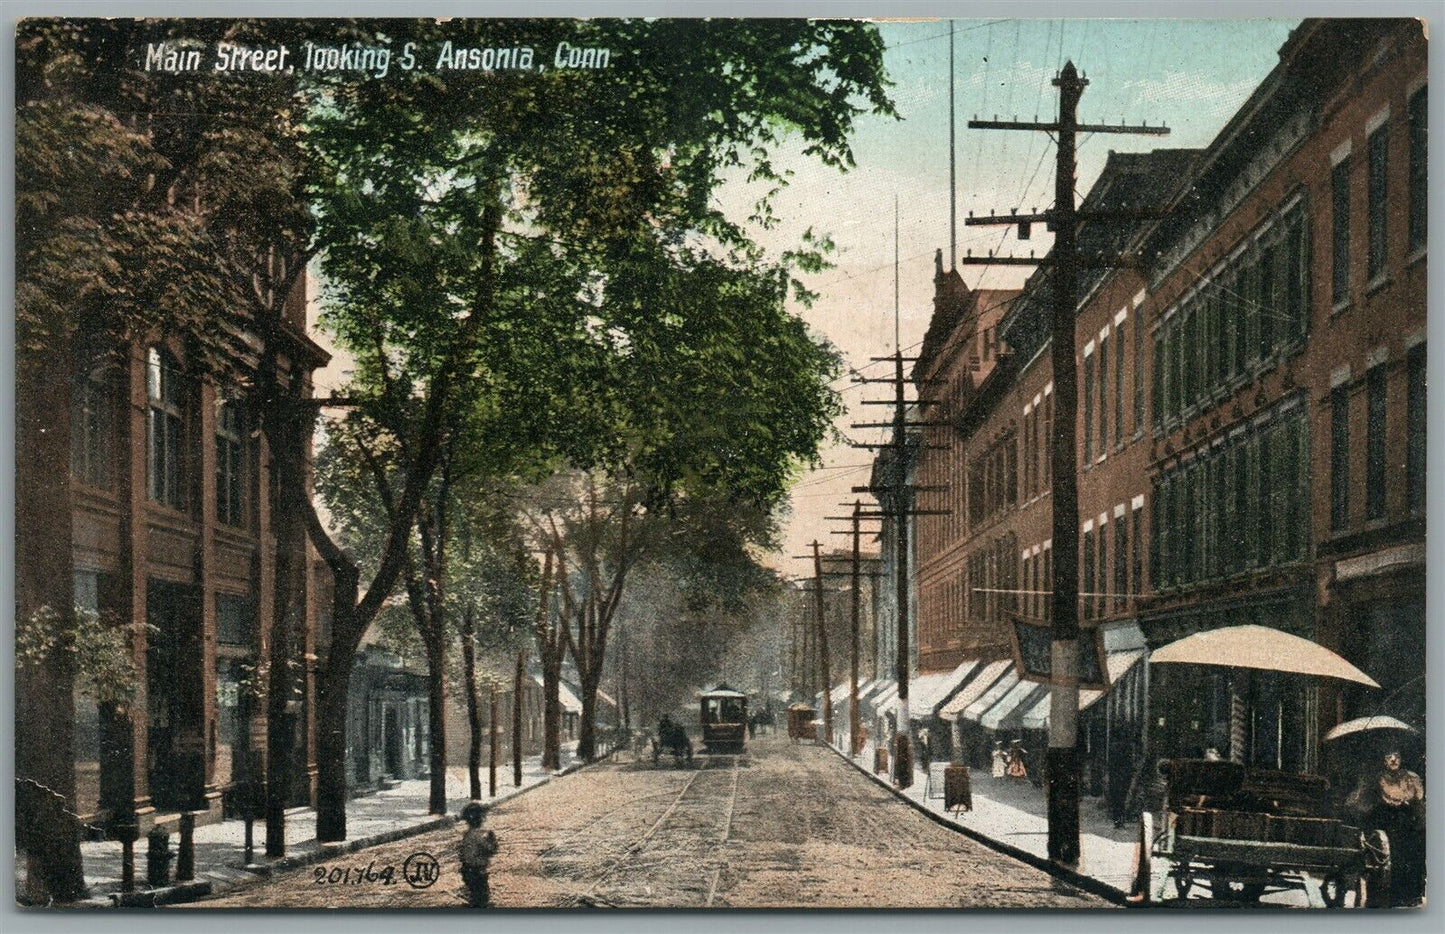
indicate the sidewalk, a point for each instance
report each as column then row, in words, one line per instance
column 1014, row 814
column 372, row 819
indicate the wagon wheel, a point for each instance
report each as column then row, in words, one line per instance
column 1142, row 888
column 1183, row 881
column 1334, row 889
column 1374, row 886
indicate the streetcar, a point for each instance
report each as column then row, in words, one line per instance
column 724, row 718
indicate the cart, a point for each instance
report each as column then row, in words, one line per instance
column 1236, row 834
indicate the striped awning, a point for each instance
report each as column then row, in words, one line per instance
column 1008, row 712
column 929, row 691
column 981, row 681
column 1119, row 664
column 993, row 695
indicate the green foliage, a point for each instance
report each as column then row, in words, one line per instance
column 96, row 649
column 146, row 200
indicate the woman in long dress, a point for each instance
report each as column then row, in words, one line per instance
column 1016, row 767
column 1000, row 761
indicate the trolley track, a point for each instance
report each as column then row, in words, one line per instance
column 679, row 852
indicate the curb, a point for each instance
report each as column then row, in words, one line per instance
column 197, row 890
column 1072, row 876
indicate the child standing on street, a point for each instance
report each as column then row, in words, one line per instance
column 478, row 848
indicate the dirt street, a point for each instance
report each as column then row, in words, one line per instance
column 780, row 826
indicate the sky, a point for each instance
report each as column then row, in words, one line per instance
column 1190, row 75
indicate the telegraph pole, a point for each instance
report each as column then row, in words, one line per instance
column 855, row 744
column 822, row 644
column 1062, row 763
column 898, row 493
column 856, row 574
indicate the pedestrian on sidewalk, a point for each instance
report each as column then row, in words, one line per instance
column 1016, row 768
column 1393, row 800
column 1000, row 761
column 478, row 848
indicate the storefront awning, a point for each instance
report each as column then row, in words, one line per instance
column 927, row 692
column 840, row 693
column 882, row 702
column 569, row 700
column 984, row 679
column 1008, row 713
column 1119, row 664
column 873, row 687
column 993, row 695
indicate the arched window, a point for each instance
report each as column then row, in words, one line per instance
column 165, row 429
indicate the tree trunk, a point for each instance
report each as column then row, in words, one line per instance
column 46, row 829
column 587, row 730
column 474, row 712
column 437, row 716
column 517, row 720
column 492, row 745
column 280, row 729
column 331, row 708
column 551, row 716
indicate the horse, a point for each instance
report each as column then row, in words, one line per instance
column 672, row 738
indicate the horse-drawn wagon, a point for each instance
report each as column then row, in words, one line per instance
column 1237, row 834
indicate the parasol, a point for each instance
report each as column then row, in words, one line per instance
column 1263, row 648
column 1364, row 724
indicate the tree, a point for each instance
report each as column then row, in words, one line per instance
column 536, row 210
column 144, row 203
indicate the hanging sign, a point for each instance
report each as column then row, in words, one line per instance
column 1032, row 642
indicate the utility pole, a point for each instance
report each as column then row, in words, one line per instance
column 896, row 504
column 856, row 574
column 855, row 739
column 823, row 672
column 1062, row 763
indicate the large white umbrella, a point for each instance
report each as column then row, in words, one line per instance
column 1262, row 648
column 1363, row 724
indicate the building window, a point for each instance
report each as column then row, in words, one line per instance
column 1121, row 563
column 1048, row 581
column 1267, row 300
column 165, row 441
column 1136, row 552
column 1138, row 370
column 1378, row 151
column 231, row 473
column 1101, row 586
column 1375, row 444
column 1340, row 458
column 1419, row 194
column 1415, row 430
column 235, row 620
column 92, row 427
column 1340, row 186
column 1088, row 408
column 1047, row 451
column 1159, row 378
column 1103, row 384
column 1243, row 503
column 1119, row 386
column 1087, row 577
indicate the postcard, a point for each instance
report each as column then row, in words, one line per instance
column 720, row 463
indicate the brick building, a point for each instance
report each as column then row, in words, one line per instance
column 172, row 502
column 1251, row 421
